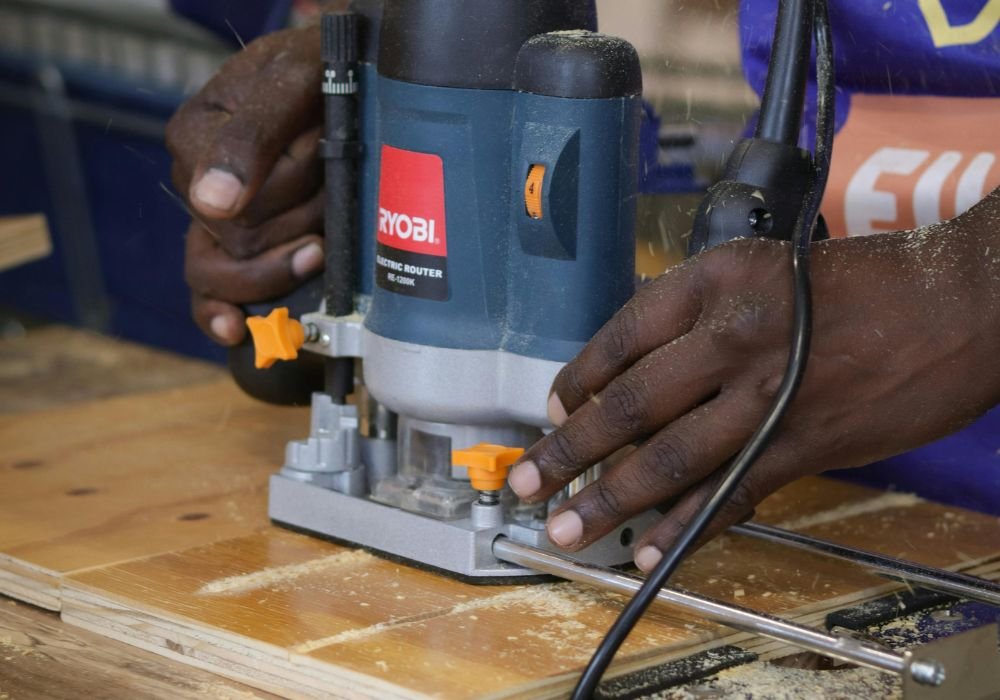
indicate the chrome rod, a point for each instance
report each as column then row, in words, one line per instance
column 843, row 648
column 957, row 584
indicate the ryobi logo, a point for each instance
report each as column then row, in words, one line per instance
column 405, row 227
column 411, row 209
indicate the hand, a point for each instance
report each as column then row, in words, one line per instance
column 244, row 153
column 905, row 341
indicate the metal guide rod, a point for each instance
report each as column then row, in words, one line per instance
column 950, row 582
column 925, row 671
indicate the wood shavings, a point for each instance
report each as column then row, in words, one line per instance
column 559, row 600
column 571, row 639
column 850, row 510
column 221, row 692
column 564, row 600
column 282, row 575
column 765, row 681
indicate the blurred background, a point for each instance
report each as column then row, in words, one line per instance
column 87, row 86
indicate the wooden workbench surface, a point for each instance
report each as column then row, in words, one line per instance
column 54, row 366
column 40, row 656
column 142, row 518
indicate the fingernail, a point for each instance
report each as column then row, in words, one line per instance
column 307, row 260
column 566, row 528
column 224, row 328
column 218, row 189
column 525, row 479
column 557, row 412
column 648, row 557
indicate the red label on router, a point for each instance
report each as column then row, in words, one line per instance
column 411, row 202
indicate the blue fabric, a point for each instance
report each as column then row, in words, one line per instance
column 888, row 48
column 962, row 469
column 656, row 177
column 236, row 21
column 882, row 48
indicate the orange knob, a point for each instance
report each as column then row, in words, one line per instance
column 488, row 464
column 275, row 337
column 533, row 191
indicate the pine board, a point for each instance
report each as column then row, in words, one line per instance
column 95, row 484
column 306, row 618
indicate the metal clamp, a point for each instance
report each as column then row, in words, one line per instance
column 333, row 336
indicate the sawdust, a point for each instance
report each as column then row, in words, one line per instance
column 899, row 633
column 282, row 575
column 11, row 648
column 356, row 634
column 222, row 692
column 850, row 510
column 765, row 681
column 571, row 640
column 565, row 600
column 559, row 600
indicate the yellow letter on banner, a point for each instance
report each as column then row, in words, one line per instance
column 945, row 34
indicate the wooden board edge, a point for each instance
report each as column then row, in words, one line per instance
column 30, row 584
column 23, row 239
column 259, row 665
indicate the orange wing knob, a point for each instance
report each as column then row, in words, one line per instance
column 488, row 464
column 275, row 337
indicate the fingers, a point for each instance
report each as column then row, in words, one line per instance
column 212, row 273
column 219, row 320
column 778, row 466
column 661, row 311
column 663, row 468
column 227, row 139
column 296, row 176
column 189, row 134
column 193, row 127
column 664, row 385
column 246, row 147
column 242, row 242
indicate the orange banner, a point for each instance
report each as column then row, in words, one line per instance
column 905, row 161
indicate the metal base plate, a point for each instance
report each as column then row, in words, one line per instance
column 455, row 546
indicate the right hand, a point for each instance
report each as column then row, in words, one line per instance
column 245, row 159
column 904, row 351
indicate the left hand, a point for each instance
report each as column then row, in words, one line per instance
column 244, row 150
column 904, row 345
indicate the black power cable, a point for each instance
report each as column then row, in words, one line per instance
column 798, row 355
column 785, row 89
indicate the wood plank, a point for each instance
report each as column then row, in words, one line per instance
column 53, row 366
column 23, row 239
column 95, row 484
column 303, row 617
column 101, row 511
column 42, row 658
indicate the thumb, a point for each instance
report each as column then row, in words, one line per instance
column 283, row 101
